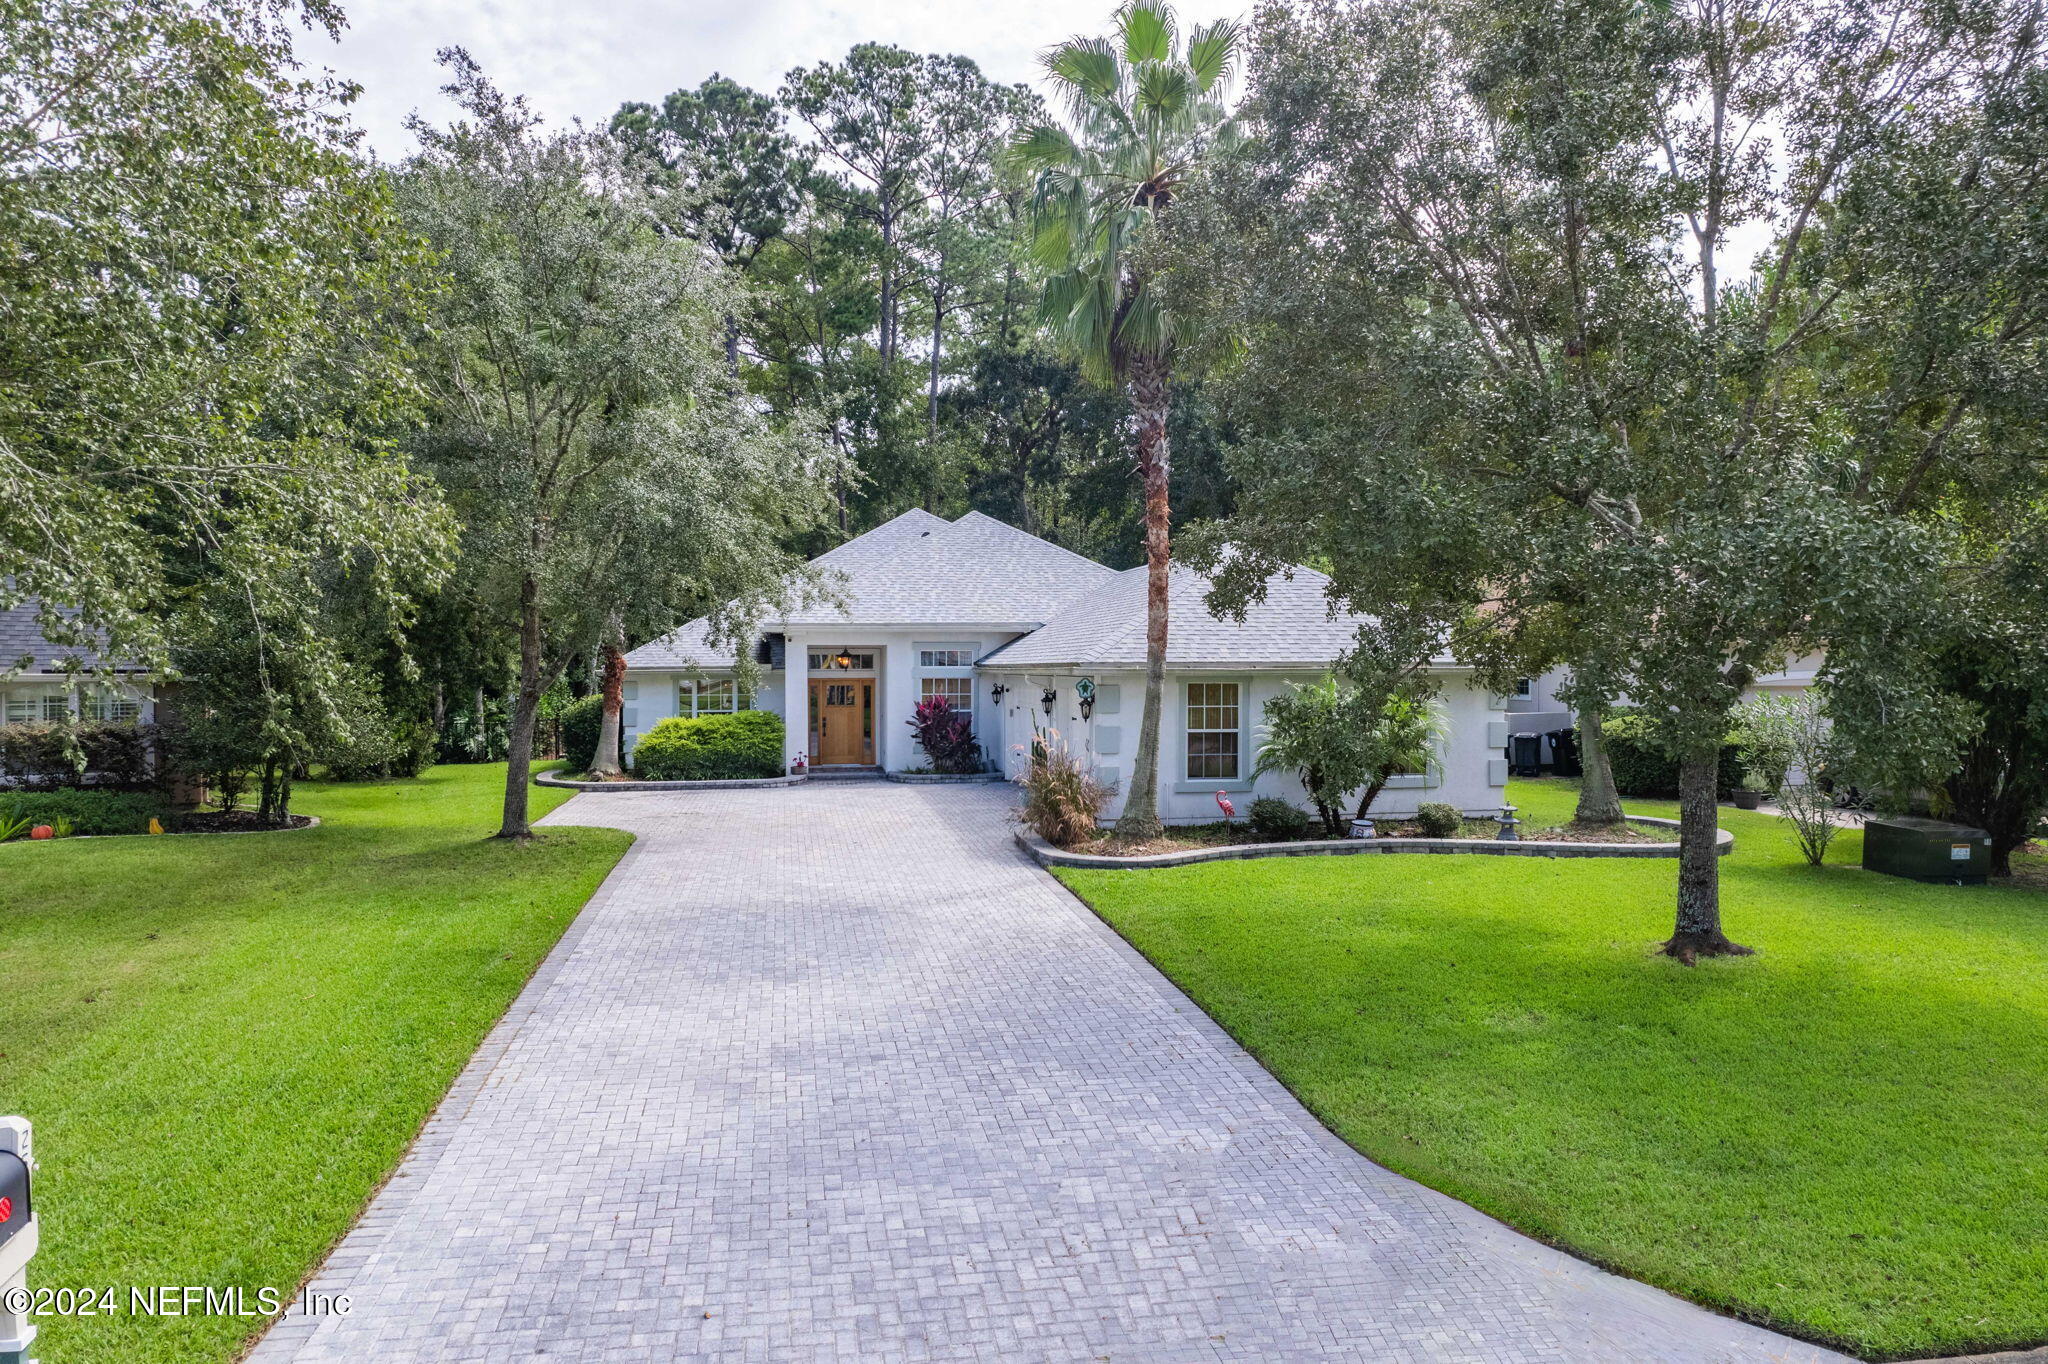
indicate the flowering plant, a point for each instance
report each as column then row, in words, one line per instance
column 946, row 736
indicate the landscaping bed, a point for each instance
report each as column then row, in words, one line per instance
column 1482, row 834
column 1838, row 1137
column 227, row 1043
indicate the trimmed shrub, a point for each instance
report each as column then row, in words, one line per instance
column 1643, row 767
column 1438, row 820
column 581, row 719
column 88, row 812
column 105, row 753
column 1276, row 821
column 710, row 748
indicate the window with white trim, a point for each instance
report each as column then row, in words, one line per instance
column 945, row 656
column 1523, row 686
column 714, row 696
column 27, row 706
column 1214, row 732
column 958, row 691
column 112, row 706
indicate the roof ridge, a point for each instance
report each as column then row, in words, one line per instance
column 979, row 517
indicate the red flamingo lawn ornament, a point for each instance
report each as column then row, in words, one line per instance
column 1223, row 804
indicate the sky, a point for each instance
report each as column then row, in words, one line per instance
column 585, row 59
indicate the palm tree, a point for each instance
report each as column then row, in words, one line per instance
column 1144, row 109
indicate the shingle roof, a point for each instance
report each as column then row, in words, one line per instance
column 1106, row 628
column 688, row 647
column 974, row 571
column 919, row 569
column 21, row 636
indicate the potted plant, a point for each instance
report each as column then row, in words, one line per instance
column 1755, row 786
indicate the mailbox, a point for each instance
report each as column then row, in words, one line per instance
column 14, row 1205
column 18, row 1235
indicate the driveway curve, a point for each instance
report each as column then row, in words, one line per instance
column 833, row 1073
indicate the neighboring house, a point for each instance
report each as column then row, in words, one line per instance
column 44, row 681
column 1007, row 627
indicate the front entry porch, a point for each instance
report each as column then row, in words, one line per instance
column 842, row 723
column 835, row 698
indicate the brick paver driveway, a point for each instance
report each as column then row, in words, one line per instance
column 832, row 1073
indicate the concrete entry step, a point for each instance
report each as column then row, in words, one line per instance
column 846, row 772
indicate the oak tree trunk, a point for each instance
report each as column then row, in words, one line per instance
column 1140, row 818
column 1599, row 802
column 525, row 714
column 1698, row 932
column 605, row 762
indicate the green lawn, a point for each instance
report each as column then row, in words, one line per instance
column 226, row 1041
column 1842, row 1137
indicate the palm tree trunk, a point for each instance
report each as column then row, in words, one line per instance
column 1698, row 930
column 1599, row 802
column 1149, row 397
column 605, row 762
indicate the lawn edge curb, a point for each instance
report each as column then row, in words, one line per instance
column 1049, row 856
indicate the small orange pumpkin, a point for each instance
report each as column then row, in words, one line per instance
column 42, row 831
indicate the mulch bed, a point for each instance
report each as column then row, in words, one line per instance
column 1185, row 838
column 231, row 822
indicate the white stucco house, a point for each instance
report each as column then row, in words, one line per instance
column 1018, row 633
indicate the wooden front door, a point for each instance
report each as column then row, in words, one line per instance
column 842, row 718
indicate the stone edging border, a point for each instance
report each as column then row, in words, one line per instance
column 942, row 778
column 729, row 784
column 1049, row 856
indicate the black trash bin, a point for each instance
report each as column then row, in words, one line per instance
column 1564, row 752
column 1525, row 755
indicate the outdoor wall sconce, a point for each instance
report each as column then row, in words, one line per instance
column 997, row 692
column 843, row 660
column 1048, row 698
column 1084, row 691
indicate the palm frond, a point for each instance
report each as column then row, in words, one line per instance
column 1086, row 65
column 1164, row 95
column 1147, row 27
column 1043, row 147
column 1213, row 52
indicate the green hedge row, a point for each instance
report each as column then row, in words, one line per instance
column 46, row 753
column 711, row 748
column 90, row 812
column 1641, row 765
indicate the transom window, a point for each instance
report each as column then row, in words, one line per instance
column 1213, row 731
column 719, row 696
column 828, row 661
column 946, row 656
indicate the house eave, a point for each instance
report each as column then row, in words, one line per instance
column 1297, row 665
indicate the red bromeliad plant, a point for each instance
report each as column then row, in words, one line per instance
column 946, row 736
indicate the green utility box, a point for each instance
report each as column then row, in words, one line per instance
column 1927, row 850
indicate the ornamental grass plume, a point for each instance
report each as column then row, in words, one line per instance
column 1062, row 799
